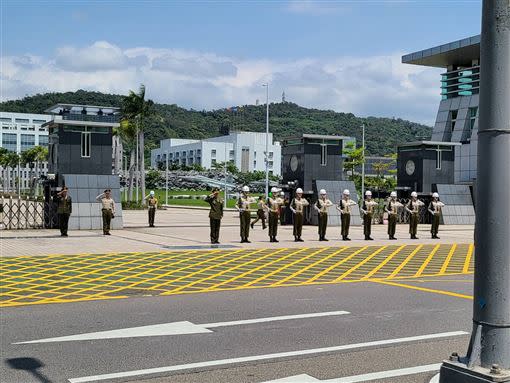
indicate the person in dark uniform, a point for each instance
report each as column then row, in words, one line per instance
column 392, row 210
column 413, row 208
column 152, row 205
column 243, row 206
column 297, row 206
column 283, row 206
column 215, row 214
column 344, row 207
column 107, row 209
column 367, row 209
column 321, row 206
column 64, row 209
column 274, row 203
column 435, row 207
column 261, row 213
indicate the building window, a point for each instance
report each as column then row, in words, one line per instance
column 213, row 153
column 22, row 120
column 191, row 153
column 85, row 144
column 472, row 117
column 213, row 162
column 254, row 164
column 271, row 154
column 183, row 154
column 10, row 141
column 5, row 119
column 27, row 141
column 270, row 164
column 231, row 154
column 453, row 118
column 324, row 155
column 38, row 121
column 439, row 159
column 43, row 140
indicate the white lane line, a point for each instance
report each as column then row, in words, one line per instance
column 303, row 378
column 175, row 328
column 435, row 379
column 221, row 362
column 386, row 374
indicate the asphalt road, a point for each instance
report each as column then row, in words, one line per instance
column 376, row 312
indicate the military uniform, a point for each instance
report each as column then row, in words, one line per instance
column 322, row 210
column 243, row 204
column 413, row 207
column 274, row 205
column 435, row 209
column 107, row 211
column 64, row 210
column 261, row 214
column 297, row 205
column 368, row 208
column 215, row 216
column 152, row 204
column 345, row 214
column 392, row 210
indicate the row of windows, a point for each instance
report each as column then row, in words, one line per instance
column 27, row 141
column 22, row 120
column 472, row 114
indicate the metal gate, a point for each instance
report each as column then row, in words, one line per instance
column 24, row 213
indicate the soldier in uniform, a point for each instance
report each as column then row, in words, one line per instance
column 261, row 213
column 64, row 209
column 368, row 212
column 321, row 206
column 274, row 203
column 283, row 207
column 344, row 207
column 392, row 210
column 297, row 207
column 435, row 207
column 243, row 206
column 413, row 208
column 107, row 209
column 152, row 205
column 215, row 214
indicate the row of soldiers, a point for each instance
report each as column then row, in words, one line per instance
column 275, row 202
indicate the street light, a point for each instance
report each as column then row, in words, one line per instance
column 363, row 162
column 166, row 190
column 266, row 153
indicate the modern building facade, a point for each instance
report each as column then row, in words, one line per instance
column 245, row 149
column 457, row 117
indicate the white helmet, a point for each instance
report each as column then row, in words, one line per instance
column 245, row 189
column 322, row 192
column 368, row 193
column 414, row 194
column 274, row 190
column 282, row 193
column 393, row 194
column 347, row 192
column 299, row 191
column 435, row 195
column 152, row 192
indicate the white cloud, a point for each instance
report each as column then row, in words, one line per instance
column 376, row 86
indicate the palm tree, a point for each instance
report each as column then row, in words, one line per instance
column 135, row 108
column 3, row 159
column 127, row 133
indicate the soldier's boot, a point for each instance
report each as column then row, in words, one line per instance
column 299, row 239
column 275, row 240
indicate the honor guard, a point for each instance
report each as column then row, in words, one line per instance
column 283, row 207
column 243, row 206
column 261, row 213
column 152, row 205
column 435, row 207
column 321, row 206
column 344, row 207
column 297, row 207
column 274, row 203
column 367, row 209
column 392, row 209
column 64, row 209
column 413, row 208
column 107, row 209
column 215, row 214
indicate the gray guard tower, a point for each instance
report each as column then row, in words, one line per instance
column 313, row 162
column 80, row 157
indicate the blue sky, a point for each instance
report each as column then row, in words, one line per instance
column 341, row 55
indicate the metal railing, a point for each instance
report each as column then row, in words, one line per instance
column 23, row 213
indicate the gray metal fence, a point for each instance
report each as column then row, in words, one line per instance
column 24, row 213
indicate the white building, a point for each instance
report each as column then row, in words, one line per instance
column 19, row 132
column 244, row 149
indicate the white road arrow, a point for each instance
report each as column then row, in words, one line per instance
column 174, row 328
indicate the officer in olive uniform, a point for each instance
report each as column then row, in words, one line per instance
column 152, row 205
column 297, row 207
column 107, row 209
column 243, row 206
column 215, row 214
column 321, row 206
column 392, row 210
column 435, row 207
column 283, row 207
column 261, row 213
column 274, row 203
column 344, row 207
column 64, row 209
column 367, row 209
column 413, row 208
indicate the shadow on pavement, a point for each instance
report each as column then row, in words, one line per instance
column 30, row 365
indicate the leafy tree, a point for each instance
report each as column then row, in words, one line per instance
column 153, row 179
column 8, row 160
column 128, row 135
column 355, row 158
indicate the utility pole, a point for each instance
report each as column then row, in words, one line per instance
column 488, row 358
column 225, row 178
column 266, row 154
column 363, row 163
column 166, row 189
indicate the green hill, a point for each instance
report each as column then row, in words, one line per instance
column 286, row 120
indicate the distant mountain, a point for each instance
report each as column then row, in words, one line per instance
column 286, row 120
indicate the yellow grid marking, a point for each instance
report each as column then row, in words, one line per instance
column 83, row 277
column 448, row 259
column 427, row 261
column 442, row 292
